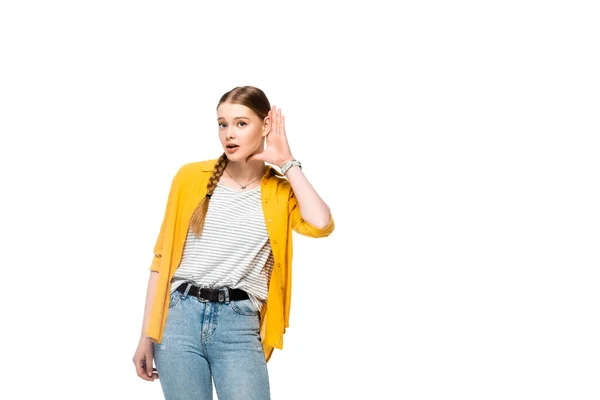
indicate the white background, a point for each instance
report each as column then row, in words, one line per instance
column 456, row 144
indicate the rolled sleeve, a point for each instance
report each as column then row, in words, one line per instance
column 155, row 266
column 303, row 227
column 156, row 260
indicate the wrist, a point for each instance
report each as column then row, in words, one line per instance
column 285, row 160
column 290, row 164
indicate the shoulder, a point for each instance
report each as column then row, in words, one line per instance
column 198, row 166
column 280, row 187
column 282, row 183
column 191, row 170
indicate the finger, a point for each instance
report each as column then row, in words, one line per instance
column 279, row 121
column 140, row 368
column 283, row 125
column 275, row 126
column 149, row 368
column 270, row 121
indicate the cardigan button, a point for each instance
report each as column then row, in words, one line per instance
column 275, row 241
column 270, row 220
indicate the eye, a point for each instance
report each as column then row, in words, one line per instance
column 240, row 122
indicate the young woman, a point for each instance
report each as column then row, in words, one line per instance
column 219, row 294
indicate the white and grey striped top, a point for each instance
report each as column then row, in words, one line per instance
column 233, row 247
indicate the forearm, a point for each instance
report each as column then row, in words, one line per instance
column 152, row 283
column 312, row 208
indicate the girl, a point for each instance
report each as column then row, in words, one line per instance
column 219, row 292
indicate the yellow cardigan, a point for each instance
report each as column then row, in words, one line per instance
column 282, row 215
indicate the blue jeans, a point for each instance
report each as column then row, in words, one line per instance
column 218, row 340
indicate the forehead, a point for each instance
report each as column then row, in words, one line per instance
column 230, row 111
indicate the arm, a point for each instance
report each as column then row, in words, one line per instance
column 144, row 354
column 309, row 214
column 152, row 283
column 155, row 265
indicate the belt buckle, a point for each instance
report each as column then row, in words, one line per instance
column 200, row 298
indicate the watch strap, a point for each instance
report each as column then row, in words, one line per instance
column 289, row 164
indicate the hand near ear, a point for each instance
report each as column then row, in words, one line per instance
column 278, row 150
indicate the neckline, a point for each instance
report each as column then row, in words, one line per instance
column 238, row 191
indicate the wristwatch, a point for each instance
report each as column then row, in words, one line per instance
column 289, row 164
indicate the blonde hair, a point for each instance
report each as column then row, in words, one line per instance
column 199, row 215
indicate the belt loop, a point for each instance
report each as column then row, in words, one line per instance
column 226, row 290
column 187, row 289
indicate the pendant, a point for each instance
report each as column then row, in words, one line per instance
column 243, row 187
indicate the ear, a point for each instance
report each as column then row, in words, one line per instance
column 266, row 125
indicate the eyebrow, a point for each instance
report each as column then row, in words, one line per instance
column 234, row 118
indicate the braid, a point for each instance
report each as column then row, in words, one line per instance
column 199, row 215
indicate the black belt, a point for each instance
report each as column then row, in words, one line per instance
column 206, row 294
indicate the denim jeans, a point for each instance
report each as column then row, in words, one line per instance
column 205, row 341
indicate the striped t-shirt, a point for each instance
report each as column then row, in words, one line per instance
column 233, row 249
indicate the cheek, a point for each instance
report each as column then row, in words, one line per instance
column 253, row 140
column 258, row 143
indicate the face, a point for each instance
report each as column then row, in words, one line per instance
column 240, row 126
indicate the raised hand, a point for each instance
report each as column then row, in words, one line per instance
column 278, row 150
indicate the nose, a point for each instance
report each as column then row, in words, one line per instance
column 230, row 133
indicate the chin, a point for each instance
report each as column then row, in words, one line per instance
column 236, row 156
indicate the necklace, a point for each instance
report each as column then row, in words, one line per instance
column 243, row 186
